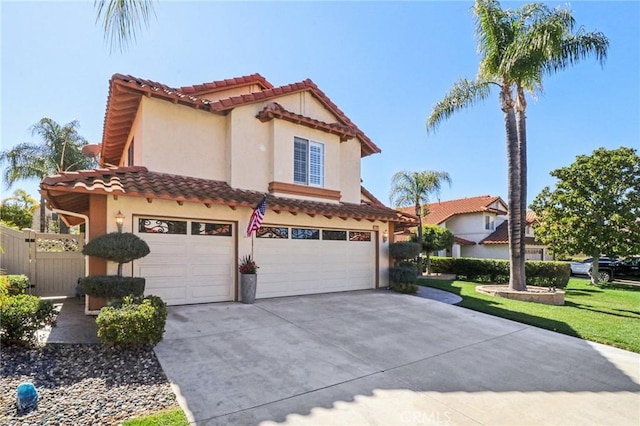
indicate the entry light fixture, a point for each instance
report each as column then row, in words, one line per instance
column 385, row 235
column 119, row 220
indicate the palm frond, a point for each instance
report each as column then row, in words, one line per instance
column 121, row 19
column 463, row 94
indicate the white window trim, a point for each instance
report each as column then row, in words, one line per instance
column 492, row 223
column 310, row 177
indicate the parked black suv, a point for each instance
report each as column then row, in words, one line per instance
column 626, row 269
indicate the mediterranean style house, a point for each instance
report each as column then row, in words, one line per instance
column 479, row 225
column 183, row 168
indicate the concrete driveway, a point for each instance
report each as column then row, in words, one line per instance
column 381, row 358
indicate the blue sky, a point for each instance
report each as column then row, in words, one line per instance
column 385, row 64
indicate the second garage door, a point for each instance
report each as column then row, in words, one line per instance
column 191, row 261
column 295, row 261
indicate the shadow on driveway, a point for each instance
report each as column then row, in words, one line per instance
column 374, row 357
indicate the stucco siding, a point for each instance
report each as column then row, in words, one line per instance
column 306, row 104
column 483, row 251
column 181, row 140
column 349, row 170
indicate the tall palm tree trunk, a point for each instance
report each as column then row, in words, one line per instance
column 516, row 243
column 521, row 125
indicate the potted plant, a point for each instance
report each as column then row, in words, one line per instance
column 115, row 247
column 248, row 278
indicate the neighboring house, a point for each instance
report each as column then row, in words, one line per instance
column 479, row 225
column 186, row 166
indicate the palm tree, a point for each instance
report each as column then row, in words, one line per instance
column 60, row 151
column 414, row 189
column 121, row 19
column 518, row 48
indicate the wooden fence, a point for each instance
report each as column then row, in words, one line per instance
column 53, row 262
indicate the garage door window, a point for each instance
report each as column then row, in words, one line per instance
column 334, row 235
column 215, row 229
column 305, row 234
column 359, row 236
column 273, row 232
column 162, row 226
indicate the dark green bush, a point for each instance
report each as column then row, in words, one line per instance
column 404, row 250
column 21, row 316
column 403, row 274
column 112, row 286
column 13, row 285
column 406, row 288
column 544, row 274
column 133, row 321
column 120, row 247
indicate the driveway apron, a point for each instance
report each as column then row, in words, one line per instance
column 381, row 358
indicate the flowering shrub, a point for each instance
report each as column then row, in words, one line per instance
column 248, row 265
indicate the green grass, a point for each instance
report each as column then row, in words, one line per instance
column 609, row 315
column 175, row 417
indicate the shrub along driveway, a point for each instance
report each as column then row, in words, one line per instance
column 374, row 357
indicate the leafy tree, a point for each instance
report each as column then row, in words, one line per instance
column 121, row 19
column 594, row 208
column 435, row 238
column 414, row 189
column 517, row 48
column 18, row 209
column 60, row 151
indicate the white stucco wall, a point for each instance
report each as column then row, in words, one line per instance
column 180, row 140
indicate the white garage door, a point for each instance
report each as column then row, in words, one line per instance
column 296, row 261
column 191, row 261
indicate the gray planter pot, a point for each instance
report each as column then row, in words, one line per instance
column 248, row 287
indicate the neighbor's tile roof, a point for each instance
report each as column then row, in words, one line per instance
column 436, row 213
column 70, row 190
column 125, row 92
column 501, row 236
column 531, row 216
column 463, row 242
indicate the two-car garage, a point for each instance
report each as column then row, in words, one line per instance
column 194, row 261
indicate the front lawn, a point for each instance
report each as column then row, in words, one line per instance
column 609, row 315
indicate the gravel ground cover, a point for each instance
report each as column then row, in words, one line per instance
column 83, row 384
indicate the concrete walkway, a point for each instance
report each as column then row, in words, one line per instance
column 72, row 325
column 382, row 358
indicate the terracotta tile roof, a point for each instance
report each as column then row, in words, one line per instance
column 372, row 197
column 215, row 86
column 70, row 190
column 443, row 210
column 501, row 236
column 368, row 146
column 531, row 216
column 275, row 110
column 463, row 242
column 125, row 92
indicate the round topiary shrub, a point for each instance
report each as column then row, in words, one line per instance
column 120, row 247
column 133, row 321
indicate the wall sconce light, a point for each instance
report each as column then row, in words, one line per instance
column 385, row 236
column 119, row 220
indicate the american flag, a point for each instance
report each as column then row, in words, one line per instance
column 256, row 217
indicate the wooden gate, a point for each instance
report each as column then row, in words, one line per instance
column 53, row 262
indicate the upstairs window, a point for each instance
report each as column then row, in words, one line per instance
column 489, row 223
column 308, row 162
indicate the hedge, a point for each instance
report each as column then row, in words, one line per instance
column 112, row 286
column 404, row 250
column 539, row 273
column 133, row 321
column 13, row 285
column 21, row 316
